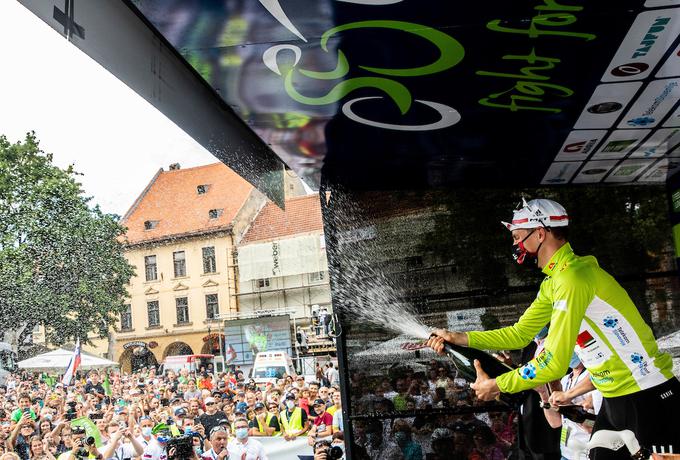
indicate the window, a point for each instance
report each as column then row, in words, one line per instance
column 317, row 277
column 150, row 268
column 150, row 224
column 126, row 318
column 154, row 313
column 215, row 213
column 264, row 282
column 212, row 306
column 180, row 263
column 202, row 189
column 209, row 265
column 182, row 304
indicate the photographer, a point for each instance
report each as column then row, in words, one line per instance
column 324, row 450
column 20, row 436
column 82, row 447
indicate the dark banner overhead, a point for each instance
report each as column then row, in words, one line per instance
column 406, row 94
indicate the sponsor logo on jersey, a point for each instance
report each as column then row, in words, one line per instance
column 528, row 372
column 544, row 358
column 641, row 363
column 584, row 339
column 601, row 377
column 612, row 324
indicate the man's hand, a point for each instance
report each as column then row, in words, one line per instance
column 436, row 342
column 559, row 398
column 485, row 387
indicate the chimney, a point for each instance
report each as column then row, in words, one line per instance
column 174, row 167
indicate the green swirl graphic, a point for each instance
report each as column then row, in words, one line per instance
column 450, row 49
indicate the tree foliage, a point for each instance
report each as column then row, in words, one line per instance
column 61, row 262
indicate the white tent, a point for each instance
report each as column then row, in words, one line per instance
column 57, row 361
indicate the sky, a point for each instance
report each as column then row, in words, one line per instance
column 87, row 117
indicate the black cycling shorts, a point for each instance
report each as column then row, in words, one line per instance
column 652, row 414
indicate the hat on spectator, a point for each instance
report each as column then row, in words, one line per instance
column 180, row 412
column 290, row 396
column 258, row 405
column 319, row 402
column 209, row 399
column 242, row 407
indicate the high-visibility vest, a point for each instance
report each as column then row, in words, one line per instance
column 295, row 423
column 268, row 419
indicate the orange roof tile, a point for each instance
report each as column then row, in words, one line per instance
column 171, row 198
column 302, row 215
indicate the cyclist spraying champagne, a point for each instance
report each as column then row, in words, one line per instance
column 591, row 314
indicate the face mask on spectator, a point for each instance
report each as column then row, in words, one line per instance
column 290, row 405
column 146, row 431
column 241, row 433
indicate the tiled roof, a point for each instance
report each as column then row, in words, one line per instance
column 172, row 199
column 302, row 215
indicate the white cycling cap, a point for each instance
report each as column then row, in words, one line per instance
column 538, row 213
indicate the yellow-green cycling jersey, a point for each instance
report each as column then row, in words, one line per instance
column 590, row 313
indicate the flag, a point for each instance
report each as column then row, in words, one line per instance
column 231, row 354
column 90, row 429
column 107, row 385
column 73, row 365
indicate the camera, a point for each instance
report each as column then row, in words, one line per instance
column 71, row 412
column 183, row 447
column 84, row 452
column 333, row 452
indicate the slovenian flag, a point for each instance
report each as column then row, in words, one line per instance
column 73, row 365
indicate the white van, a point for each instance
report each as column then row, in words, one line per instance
column 272, row 365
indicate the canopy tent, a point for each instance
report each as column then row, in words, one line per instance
column 57, row 361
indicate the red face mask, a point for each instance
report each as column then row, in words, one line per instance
column 522, row 256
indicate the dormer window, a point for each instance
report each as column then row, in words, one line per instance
column 150, row 224
column 215, row 213
column 202, row 189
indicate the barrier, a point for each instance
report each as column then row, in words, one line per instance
column 278, row 448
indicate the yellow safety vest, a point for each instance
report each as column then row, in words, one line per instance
column 268, row 419
column 295, row 423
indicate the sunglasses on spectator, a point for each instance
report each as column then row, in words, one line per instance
column 210, row 404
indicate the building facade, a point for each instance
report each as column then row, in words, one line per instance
column 181, row 239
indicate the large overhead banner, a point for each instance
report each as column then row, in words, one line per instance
column 407, row 94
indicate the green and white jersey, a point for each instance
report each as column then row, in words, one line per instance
column 590, row 313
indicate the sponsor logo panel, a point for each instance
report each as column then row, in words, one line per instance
column 628, row 170
column 606, row 105
column 648, row 39
column 589, row 349
column 620, row 143
column 560, row 173
column 670, row 68
column 660, row 143
column 656, row 3
column 657, row 99
column 580, row 144
column 594, row 171
column 662, row 170
column 673, row 120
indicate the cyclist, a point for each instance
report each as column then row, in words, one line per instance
column 591, row 314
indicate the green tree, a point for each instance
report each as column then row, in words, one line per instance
column 61, row 261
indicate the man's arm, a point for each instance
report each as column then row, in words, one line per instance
column 572, row 296
column 560, row 398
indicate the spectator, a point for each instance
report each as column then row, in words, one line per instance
column 293, row 419
column 242, row 446
column 210, row 419
column 323, row 424
column 265, row 423
column 410, row 449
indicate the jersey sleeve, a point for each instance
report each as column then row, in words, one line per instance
column 572, row 295
column 518, row 335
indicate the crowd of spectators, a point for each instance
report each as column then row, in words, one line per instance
column 139, row 415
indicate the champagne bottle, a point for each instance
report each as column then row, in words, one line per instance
column 464, row 357
column 576, row 414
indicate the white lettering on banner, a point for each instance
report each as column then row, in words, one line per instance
column 278, row 448
column 648, row 39
column 285, row 257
